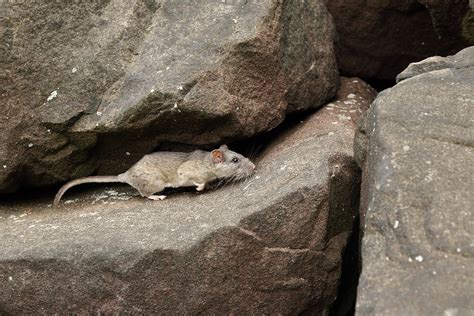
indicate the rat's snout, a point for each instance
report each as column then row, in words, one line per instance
column 252, row 166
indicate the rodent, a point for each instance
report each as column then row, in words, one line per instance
column 157, row 171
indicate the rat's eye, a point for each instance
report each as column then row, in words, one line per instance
column 235, row 159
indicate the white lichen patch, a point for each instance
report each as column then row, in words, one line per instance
column 100, row 197
column 99, row 113
column 52, row 95
column 175, row 107
column 122, row 198
column 30, row 145
column 429, row 177
column 396, row 224
column 74, row 70
column 406, row 148
column 4, row 166
column 344, row 117
column 351, row 96
column 451, row 312
column 419, row 258
column 127, row 153
column 88, row 214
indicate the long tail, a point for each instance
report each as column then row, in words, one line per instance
column 93, row 179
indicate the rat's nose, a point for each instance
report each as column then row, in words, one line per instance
column 252, row 166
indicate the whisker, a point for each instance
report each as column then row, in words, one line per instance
column 220, row 183
column 255, row 151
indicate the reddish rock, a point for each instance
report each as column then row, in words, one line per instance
column 378, row 39
column 270, row 245
column 88, row 81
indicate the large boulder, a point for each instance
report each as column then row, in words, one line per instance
column 91, row 86
column 379, row 38
column 416, row 147
column 269, row 245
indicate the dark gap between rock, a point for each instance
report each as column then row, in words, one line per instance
column 380, row 84
column 345, row 303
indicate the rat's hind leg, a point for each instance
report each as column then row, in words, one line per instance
column 156, row 197
column 149, row 191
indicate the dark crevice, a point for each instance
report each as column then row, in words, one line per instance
column 254, row 146
column 380, row 84
column 351, row 268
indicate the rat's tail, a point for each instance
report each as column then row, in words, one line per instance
column 93, row 179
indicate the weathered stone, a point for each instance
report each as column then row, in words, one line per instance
column 418, row 162
column 85, row 82
column 464, row 58
column 379, row 38
column 271, row 244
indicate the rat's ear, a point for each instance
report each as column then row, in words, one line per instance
column 224, row 147
column 217, row 156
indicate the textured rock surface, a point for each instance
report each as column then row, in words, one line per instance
column 378, row 39
column 85, row 82
column 462, row 59
column 416, row 147
column 271, row 244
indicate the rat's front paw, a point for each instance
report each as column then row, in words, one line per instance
column 200, row 186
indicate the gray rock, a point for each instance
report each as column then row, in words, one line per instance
column 464, row 58
column 418, row 162
column 271, row 244
column 89, row 81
